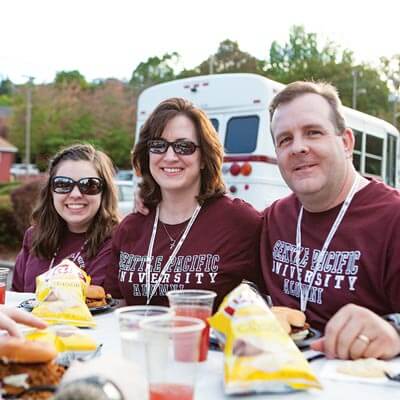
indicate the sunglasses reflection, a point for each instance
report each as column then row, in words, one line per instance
column 181, row 147
column 88, row 186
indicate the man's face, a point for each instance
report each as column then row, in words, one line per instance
column 313, row 159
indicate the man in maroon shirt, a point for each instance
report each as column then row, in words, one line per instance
column 331, row 247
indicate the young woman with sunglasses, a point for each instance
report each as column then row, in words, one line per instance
column 195, row 236
column 74, row 218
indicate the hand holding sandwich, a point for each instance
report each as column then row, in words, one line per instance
column 10, row 316
column 356, row 332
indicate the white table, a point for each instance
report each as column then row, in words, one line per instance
column 210, row 380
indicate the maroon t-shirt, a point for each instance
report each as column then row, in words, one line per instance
column 28, row 266
column 220, row 251
column 362, row 265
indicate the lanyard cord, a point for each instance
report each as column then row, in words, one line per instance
column 304, row 291
column 171, row 257
column 75, row 256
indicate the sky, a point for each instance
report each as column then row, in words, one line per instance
column 109, row 38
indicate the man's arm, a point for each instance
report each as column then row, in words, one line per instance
column 356, row 332
column 138, row 205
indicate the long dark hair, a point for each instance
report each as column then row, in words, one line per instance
column 47, row 223
column 212, row 184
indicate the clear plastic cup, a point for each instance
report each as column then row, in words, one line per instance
column 196, row 304
column 132, row 341
column 172, row 356
column 3, row 284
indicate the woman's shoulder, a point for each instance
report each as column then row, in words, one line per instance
column 134, row 221
column 28, row 235
column 235, row 208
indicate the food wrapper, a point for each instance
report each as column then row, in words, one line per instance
column 259, row 355
column 60, row 293
column 65, row 338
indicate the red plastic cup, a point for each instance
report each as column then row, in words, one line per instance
column 3, row 284
column 195, row 304
column 172, row 356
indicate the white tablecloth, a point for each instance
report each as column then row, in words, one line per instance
column 210, row 380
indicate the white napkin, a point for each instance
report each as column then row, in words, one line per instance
column 329, row 371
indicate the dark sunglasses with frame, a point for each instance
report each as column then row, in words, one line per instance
column 89, row 186
column 181, row 147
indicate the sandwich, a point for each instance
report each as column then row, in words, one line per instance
column 293, row 322
column 25, row 365
column 95, row 296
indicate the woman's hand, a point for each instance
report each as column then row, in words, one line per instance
column 10, row 316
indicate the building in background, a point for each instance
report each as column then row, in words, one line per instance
column 7, row 155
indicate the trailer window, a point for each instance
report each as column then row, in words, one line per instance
column 373, row 155
column 215, row 123
column 241, row 134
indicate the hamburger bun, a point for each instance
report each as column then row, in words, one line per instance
column 95, row 296
column 294, row 317
column 292, row 321
column 16, row 350
column 95, row 292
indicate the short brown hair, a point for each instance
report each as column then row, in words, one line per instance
column 212, row 184
column 49, row 226
column 324, row 89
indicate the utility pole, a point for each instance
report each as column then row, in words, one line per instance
column 28, row 120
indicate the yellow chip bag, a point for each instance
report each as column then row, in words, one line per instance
column 60, row 293
column 68, row 339
column 259, row 355
column 64, row 338
column 41, row 335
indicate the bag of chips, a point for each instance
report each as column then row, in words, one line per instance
column 259, row 356
column 60, row 294
column 64, row 338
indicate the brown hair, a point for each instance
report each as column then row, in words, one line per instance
column 212, row 184
column 49, row 226
column 325, row 90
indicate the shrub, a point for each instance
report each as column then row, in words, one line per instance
column 10, row 237
column 23, row 201
column 7, row 188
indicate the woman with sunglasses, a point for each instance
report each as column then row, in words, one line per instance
column 74, row 218
column 195, row 236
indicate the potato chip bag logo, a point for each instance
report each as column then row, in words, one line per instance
column 234, row 304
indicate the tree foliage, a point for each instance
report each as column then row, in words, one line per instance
column 104, row 116
column 6, row 91
column 70, row 79
column 155, row 70
column 228, row 58
column 304, row 58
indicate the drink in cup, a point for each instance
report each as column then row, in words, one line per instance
column 132, row 343
column 171, row 376
column 196, row 304
column 3, row 284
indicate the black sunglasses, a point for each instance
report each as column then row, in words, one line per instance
column 180, row 147
column 90, row 186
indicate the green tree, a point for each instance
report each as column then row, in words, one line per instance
column 103, row 116
column 155, row 70
column 70, row 78
column 304, row 58
column 6, row 91
column 228, row 58
column 6, row 87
